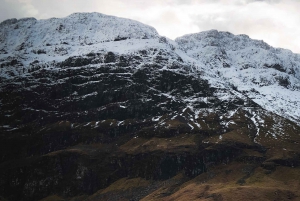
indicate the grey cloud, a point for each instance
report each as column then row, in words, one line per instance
column 268, row 22
column 10, row 9
column 169, row 17
column 193, row 2
column 267, row 1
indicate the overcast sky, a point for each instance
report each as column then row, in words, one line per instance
column 277, row 22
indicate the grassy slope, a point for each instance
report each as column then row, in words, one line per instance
column 238, row 182
column 253, row 175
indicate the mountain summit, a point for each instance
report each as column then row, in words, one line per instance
column 76, row 29
column 96, row 107
column 269, row 76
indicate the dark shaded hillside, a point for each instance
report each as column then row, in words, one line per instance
column 88, row 127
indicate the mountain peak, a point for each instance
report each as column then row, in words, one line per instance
column 75, row 29
column 219, row 38
column 90, row 15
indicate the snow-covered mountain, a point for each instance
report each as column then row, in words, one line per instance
column 63, row 37
column 90, row 99
column 267, row 75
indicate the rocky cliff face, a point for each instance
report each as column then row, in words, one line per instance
column 95, row 107
column 269, row 76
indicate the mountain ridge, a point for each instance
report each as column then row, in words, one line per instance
column 236, row 59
